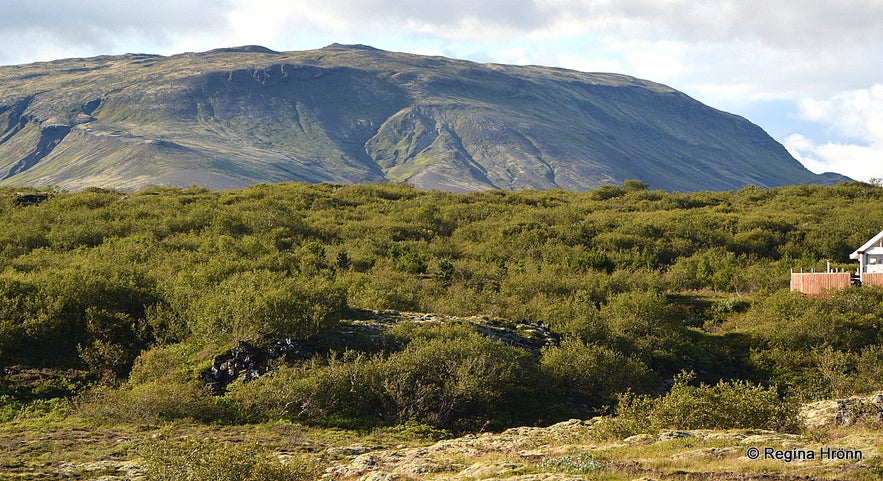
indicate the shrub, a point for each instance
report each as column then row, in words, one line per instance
column 579, row 463
column 594, row 374
column 188, row 459
column 443, row 377
column 444, row 381
column 265, row 305
column 166, row 324
column 633, row 416
column 384, row 289
column 725, row 405
column 90, row 279
column 633, row 185
column 640, row 314
column 445, row 272
column 578, row 318
column 643, row 323
column 172, row 363
column 606, row 192
column 113, row 341
column 14, row 409
column 17, row 311
column 849, row 320
column 345, row 387
column 150, row 403
column 869, row 369
column 412, row 263
column 594, row 259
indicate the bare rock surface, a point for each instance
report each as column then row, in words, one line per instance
column 474, row 456
column 530, row 336
column 571, row 451
column 843, row 412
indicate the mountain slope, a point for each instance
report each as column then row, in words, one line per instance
column 347, row 114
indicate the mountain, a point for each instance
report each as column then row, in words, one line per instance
column 232, row 117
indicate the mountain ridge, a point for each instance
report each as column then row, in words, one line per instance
column 231, row 117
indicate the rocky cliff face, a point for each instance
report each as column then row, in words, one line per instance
column 348, row 114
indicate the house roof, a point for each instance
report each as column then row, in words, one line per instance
column 866, row 246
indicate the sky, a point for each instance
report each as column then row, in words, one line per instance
column 809, row 72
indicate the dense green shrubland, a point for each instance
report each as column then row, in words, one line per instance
column 725, row 405
column 639, row 284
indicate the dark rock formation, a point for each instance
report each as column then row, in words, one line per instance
column 30, row 199
column 249, row 362
column 366, row 333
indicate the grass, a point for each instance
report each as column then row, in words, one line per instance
column 56, row 446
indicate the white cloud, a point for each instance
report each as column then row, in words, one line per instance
column 856, row 161
column 778, row 47
column 49, row 29
column 856, row 116
column 815, row 110
column 856, row 113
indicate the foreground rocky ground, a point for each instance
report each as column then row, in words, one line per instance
column 570, row 451
column 835, row 446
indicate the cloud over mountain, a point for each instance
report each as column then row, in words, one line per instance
column 857, row 116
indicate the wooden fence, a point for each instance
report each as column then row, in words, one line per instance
column 816, row 283
column 872, row 279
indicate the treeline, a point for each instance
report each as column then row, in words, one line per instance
column 639, row 284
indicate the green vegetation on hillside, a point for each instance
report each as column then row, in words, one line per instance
column 118, row 302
